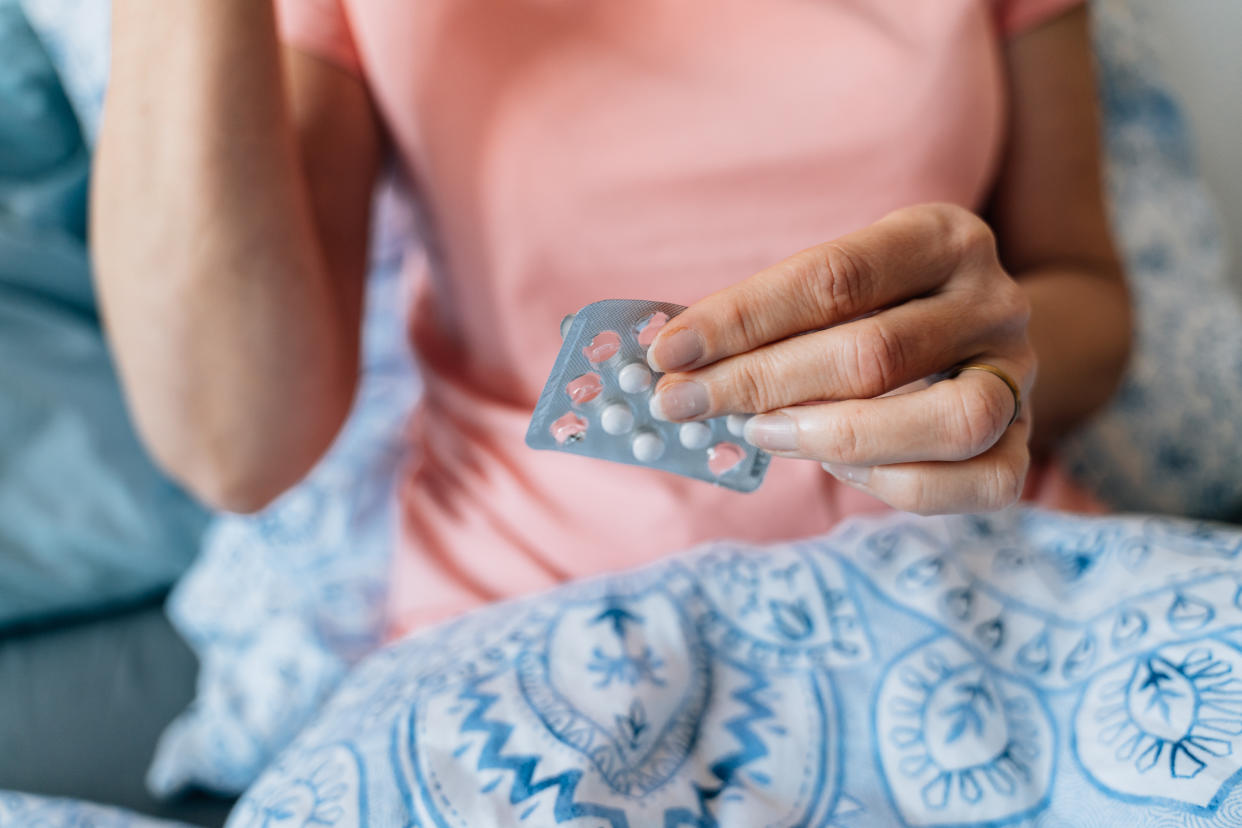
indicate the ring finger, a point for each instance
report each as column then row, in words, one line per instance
column 951, row 420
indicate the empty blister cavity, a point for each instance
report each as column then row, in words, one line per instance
column 566, row 323
column 736, row 423
column 634, row 378
column 617, row 419
column 723, row 458
column 647, row 329
column 603, row 347
column 569, row 428
column 695, row 436
column 583, row 389
column 647, row 447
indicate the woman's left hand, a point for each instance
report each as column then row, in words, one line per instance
column 909, row 298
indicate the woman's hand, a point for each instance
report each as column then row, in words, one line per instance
column 907, row 299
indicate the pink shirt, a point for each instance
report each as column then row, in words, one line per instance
column 564, row 151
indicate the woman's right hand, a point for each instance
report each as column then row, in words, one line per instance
column 229, row 223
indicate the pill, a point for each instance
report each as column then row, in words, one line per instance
column 695, row 436
column 736, row 423
column 603, row 347
column 647, row 447
column 585, row 388
column 617, row 419
column 634, row 378
column 569, row 428
column 724, row 457
column 649, row 327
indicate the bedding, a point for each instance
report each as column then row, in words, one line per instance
column 25, row 811
column 278, row 621
column 43, row 162
column 1028, row 667
column 82, row 705
column 86, row 520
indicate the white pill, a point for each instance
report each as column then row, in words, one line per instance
column 634, row 378
column 695, row 436
column 647, row 447
column 617, row 419
column 736, row 423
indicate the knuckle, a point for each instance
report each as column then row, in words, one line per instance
column 1012, row 305
column 1004, row 482
column 980, row 418
column 917, row 495
column 752, row 389
column 834, row 282
column 845, row 442
column 739, row 319
column 967, row 235
column 877, row 360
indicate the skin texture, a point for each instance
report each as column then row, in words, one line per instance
column 234, row 307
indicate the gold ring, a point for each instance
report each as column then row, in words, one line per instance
column 1004, row 377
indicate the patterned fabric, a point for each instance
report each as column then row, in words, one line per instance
column 1025, row 668
column 25, row 811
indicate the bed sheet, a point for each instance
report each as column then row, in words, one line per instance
column 1028, row 668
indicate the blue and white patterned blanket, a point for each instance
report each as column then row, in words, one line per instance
column 1029, row 668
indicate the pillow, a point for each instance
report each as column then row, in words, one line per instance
column 75, row 33
column 86, row 520
column 24, row 811
column 43, row 164
column 1171, row 441
column 1027, row 667
column 279, row 604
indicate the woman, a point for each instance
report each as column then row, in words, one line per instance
column 935, row 163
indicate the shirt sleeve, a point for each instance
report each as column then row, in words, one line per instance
column 1016, row 16
column 320, row 28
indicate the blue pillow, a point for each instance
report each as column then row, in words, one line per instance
column 75, row 34
column 86, row 521
column 43, row 163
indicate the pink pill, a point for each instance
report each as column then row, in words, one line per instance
column 603, row 347
column 724, row 457
column 585, row 388
column 649, row 327
column 568, row 429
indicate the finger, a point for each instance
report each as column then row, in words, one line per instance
column 907, row 253
column 858, row 360
column 991, row 481
column 952, row 420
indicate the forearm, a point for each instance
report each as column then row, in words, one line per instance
column 1080, row 328
column 233, row 344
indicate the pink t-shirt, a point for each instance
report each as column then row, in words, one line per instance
column 563, row 151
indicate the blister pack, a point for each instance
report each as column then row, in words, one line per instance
column 596, row 402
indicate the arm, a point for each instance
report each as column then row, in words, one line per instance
column 229, row 226
column 1052, row 229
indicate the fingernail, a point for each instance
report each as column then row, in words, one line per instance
column 772, row 432
column 857, row 475
column 676, row 351
column 680, row 401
